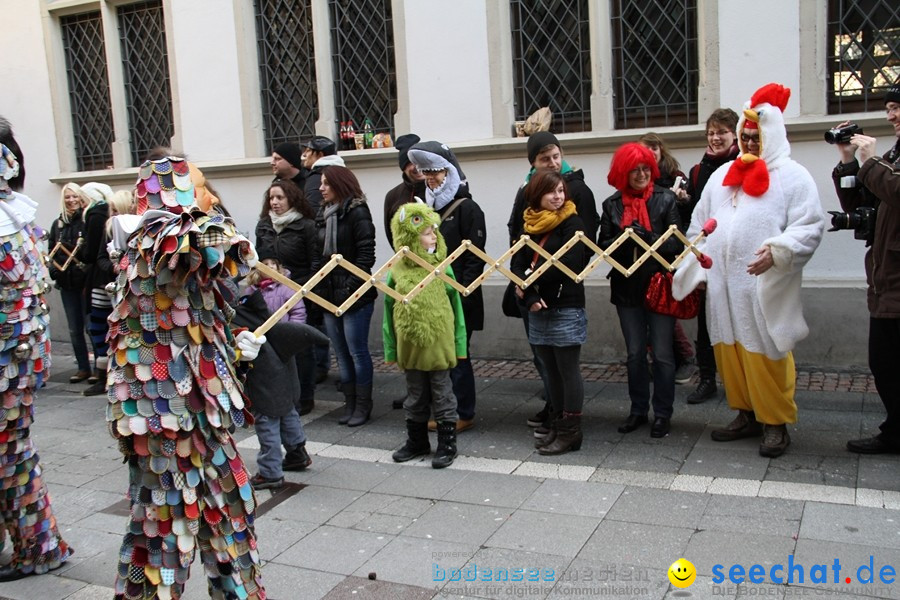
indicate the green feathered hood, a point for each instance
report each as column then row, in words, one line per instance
column 407, row 225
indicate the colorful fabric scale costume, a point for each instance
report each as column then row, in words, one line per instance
column 29, row 541
column 173, row 395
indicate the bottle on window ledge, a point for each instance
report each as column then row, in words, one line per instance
column 351, row 135
column 368, row 132
column 342, row 136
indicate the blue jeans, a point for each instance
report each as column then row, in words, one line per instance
column 349, row 336
column 641, row 328
column 272, row 432
column 74, row 306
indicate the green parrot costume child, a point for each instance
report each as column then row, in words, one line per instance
column 425, row 336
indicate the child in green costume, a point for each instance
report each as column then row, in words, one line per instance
column 425, row 336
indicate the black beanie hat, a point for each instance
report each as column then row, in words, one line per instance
column 403, row 144
column 289, row 152
column 537, row 141
column 893, row 94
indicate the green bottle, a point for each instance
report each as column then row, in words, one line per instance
column 368, row 132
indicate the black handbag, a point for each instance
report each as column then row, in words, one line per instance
column 510, row 303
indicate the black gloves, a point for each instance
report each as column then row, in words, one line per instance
column 642, row 233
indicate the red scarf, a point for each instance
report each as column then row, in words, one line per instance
column 752, row 176
column 635, row 204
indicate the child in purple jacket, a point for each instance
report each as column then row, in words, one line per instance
column 277, row 420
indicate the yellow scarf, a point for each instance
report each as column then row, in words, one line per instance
column 542, row 221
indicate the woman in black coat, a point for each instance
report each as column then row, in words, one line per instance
column 287, row 230
column 68, row 230
column 648, row 210
column 345, row 227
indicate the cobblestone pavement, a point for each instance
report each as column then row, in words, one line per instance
column 606, row 521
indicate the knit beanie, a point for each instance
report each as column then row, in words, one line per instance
column 626, row 158
column 539, row 140
column 97, row 192
column 893, row 94
column 289, row 152
column 403, row 144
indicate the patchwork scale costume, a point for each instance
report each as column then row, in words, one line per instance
column 29, row 540
column 173, row 395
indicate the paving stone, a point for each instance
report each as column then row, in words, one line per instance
column 412, row 560
column 531, row 531
column 691, row 483
column 274, row 535
column 879, row 472
column 616, row 543
column 420, row 482
column 285, row 581
column 362, row 588
column 380, row 523
column 334, row 550
column 515, row 445
column 851, row 557
column 660, row 458
column 851, row 525
column 44, row 587
column 659, row 507
column 554, row 471
column 726, row 462
column 807, row 491
column 493, row 490
column 708, row 548
column 838, row 401
column 91, row 592
column 838, row 421
column 734, row 487
column 95, row 558
column 584, row 579
column 314, row 504
column 494, row 571
column 353, row 475
column 574, row 498
column 770, row 516
column 456, row 522
column 703, row 588
column 637, row 478
column 483, row 465
column 808, row 468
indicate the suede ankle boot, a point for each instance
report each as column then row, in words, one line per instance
column 363, row 409
column 349, row 391
column 568, row 435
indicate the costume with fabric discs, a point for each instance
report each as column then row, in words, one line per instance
column 29, row 542
column 174, row 395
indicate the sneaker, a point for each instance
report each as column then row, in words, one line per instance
column 743, row 426
column 95, row 389
column 706, row 390
column 262, row 483
column 775, row 441
column 297, row 459
column 685, row 371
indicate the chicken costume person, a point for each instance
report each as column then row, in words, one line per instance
column 29, row 540
column 770, row 222
column 425, row 336
column 173, row 394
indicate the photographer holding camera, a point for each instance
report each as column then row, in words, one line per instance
column 873, row 182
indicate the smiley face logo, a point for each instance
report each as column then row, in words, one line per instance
column 682, row 573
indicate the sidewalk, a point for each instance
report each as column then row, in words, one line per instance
column 606, row 521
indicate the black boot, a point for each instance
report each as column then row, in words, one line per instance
column 363, row 409
column 416, row 442
column 296, row 459
column 349, row 403
column 305, row 406
column 446, row 450
column 568, row 435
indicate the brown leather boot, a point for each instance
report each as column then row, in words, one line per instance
column 568, row 435
column 743, row 426
column 775, row 441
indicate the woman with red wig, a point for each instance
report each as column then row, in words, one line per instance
column 648, row 210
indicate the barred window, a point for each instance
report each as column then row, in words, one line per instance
column 148, row 96
column 863, row 53
column 552, row 61
column 655, row 70
column 287, row 70
column 92, row 125
column 362, row 55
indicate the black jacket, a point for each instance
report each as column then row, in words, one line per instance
column 355, row 243
column 579, row 193
column 94, row 239
column 466, row 223
column 74, row 276
column 554, row 287
column 272, row 383
column 661, row 206
column 404, row 193
column 296, row 246
column 697, row 179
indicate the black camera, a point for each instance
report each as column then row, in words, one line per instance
column 861, row 220
column 842, row 135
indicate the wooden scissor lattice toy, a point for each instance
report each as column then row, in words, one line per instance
column 69, row 254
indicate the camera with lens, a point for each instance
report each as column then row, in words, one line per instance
column 861, row 220
column 842, row 135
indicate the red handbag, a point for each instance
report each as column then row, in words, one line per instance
column 659, row 298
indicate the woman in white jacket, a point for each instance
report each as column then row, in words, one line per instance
column 770, row 222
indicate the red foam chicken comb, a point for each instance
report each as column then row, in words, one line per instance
column 771, row 93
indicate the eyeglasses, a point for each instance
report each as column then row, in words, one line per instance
column 643, row 170
column 749, row 138
column 892, row 109
column 720, row 133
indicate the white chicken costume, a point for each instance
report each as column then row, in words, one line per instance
column 755, row 321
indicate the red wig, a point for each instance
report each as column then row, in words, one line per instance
column 626, row 158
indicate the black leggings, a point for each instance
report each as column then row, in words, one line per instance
column 564, row 380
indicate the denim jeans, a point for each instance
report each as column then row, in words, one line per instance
column 74, row 306
column 349, row 336
column 273, row 432
column 641, row 328
column 463, row 378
